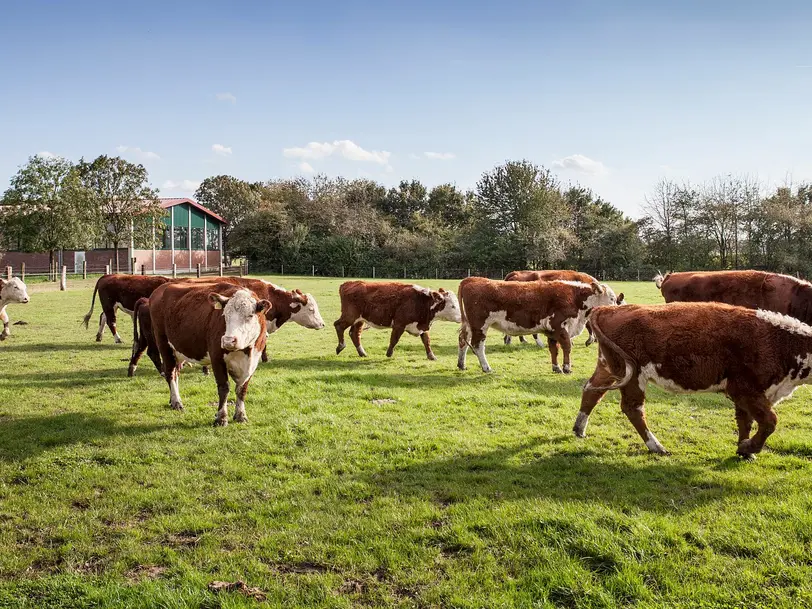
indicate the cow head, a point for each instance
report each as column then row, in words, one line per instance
column 621, row 299
column 602, row 294
column 306, row 311
column 446, row 305
column 241, row 311
column 13, row 290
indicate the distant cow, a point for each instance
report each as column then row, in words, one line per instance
column 287, row 305
column 552, row 275
column 221, row 325
column 752, row 289
column 558, row 309
column 391, row 304
column 11, row 291
column 755, row 357
column 119, row 291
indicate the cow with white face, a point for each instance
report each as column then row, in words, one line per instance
column 11, row 291
column 221, row 325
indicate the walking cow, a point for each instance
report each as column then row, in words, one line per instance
column 11, row 291
column 120, row 291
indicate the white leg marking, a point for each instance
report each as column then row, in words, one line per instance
column 480, row 353
column 653, row 444
column 102, row 323
column 581, row 421
column 174, row 394
column 539, row 342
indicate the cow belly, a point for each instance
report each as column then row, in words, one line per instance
column 650, row 374
column 573, row 326
column 373, row 325
column 413, row 330
column 499, row 321
column 241, row 365
column 183, row 359
column 126, row 310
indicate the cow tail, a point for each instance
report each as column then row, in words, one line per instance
column 136, row 308
column 86, row 319
column 604, row 342
column 463, row 333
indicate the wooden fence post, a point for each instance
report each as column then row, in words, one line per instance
column 469, row 272
column 133, row 266
column 198, row 270
column 63, row 280
column 373, row 272
column 106, row 269
column 404, row 272
column 84, row 269
column 174, row 270
column 221, row 268
column 9, row 272
column 22, row 272
column 143, row 270
column 111, row 265
column 283, row 270
column 239, row 268
column 246, row 266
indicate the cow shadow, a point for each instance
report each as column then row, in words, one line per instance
column 24, row 437
column 569, row 474
column 57, row 347
column 73, row 379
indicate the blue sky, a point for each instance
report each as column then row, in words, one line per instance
column 611, row 94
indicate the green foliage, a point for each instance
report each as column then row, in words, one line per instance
column 231, row 198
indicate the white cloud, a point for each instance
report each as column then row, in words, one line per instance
column 345, row 148
column 439, row 156
column 389, row 169
column 227, row 97
column 46, row 155
column 135, row 151
column 306, row 167
column 221, row 150
column 414, row 156
column 581, row 164
column 182, row 186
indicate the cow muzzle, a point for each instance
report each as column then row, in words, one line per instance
column 229, row 343
column 25, row 301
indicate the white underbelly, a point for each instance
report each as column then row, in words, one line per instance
column 241, row 365
column 376, row 326
column 498, row 320
column 649, row 374
column 183, row 359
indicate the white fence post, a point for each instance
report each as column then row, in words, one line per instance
column 174, row 270
column 63, row 280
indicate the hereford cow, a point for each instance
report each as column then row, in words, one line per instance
column 120, row 291
column 391, row 304
column 752, row 289
column 11, row 291
column 558, row 309
column 287, row 305
column 218, row 324
column 755, row 357
column 552, row 275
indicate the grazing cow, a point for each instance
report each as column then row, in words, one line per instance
column 558, row 309
column 120, row 291
column 752, row 289
column 11, row 291
column 287, row 305
column 552, row 275
column 391, row 304
column 218, row 324
column 755, row 357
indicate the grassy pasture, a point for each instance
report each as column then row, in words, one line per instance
column 379, row 482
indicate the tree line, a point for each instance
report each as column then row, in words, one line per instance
column 518, row 215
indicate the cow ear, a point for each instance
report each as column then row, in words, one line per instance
column 597, row 288
column 620, row 297
column 218, row 300
column 442, row 291
column 437, row 297
column 263, row 306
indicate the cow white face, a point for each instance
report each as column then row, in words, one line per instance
column 451, row 310
column 601, row 295
column 307, row 314
column 13, row 290
column 241, row 312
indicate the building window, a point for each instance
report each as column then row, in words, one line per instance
column 181, row 237
column 213, row 239
column 166, row 241
column 197, row 238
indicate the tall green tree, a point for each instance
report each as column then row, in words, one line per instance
column 231, row 198
column 125, row 205
column 46, row 208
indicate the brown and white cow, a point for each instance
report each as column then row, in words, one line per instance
column 755, row 357
column 119, row 291
column 558, row 309
column 287, row 305
column 552, row 275
column 404, row 307
column 221, row 325
column 752, row 289
column 11, row 291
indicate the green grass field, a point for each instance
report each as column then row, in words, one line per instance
column 377, row 482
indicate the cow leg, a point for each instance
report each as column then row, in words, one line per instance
column 760, row 409
column 552, row 345
column 465, row 332
column 265, row 354
column 239, row 408
column 744, row 421
column 590, row 398
column 221, row 376
column 538, row 340
column 102, row 323
column 522, row 340
column 397, row 332
column 171, row 372
column 205, row 370
column 427, row 344
column 507, row 339
column 155, row 356
column 478, row 347
column 139, row 347
column 591, row 338
column 355, row 336
column 6, row 331
column 566, row 347
column 340, row 325
column 632, row 401
column 110, row 314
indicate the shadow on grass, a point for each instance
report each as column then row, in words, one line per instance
column 25, row 437
column 651, row 483
column 70, row 379
column 56, row 347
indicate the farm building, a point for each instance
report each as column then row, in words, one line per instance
column 193, row 235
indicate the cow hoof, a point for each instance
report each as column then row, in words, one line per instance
column 389, row 353
column 98, row 338
column 750, row 457
column 240, row 418
column 131, row 371
column 487, row 370
column 118, row 340
column 461, row 366
column 432, row 357
column 176, row 405
column 589, row 341
column 362, row 354
column 567, row 370
column 507, row 340
column 205, row 370
column 745, row 450
column 220, row 421
column 340, row 348
column 557, row 370
column 3, row 336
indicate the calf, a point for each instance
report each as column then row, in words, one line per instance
column 391, row 304
column 558, row 309
column 752, row 289
column 552, row 275
column 286, row 305
column 11, row 291
column 120, row 292
column 221, row 325
column 755, row 357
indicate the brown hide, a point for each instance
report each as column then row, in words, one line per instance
column 120, row 289
column 550, row 275
column 698, row 347
column 751, row 289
